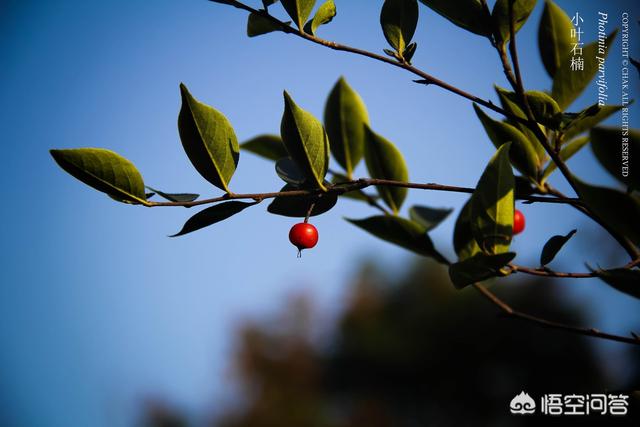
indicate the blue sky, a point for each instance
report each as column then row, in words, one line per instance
column 98, row 307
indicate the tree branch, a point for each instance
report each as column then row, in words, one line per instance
column 348, row 186
column 591, row 332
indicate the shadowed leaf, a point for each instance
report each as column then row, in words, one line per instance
column 467, row 14
column 622, row 279
column 566, row 153
column 477, row 268
column 553, row 246
column 428, row 217
column 607, row 145
column 325, row 14
column 212, row 215
column 105, row 171
column 588, row 118
column 463, row 241
column 175, row 197
column 258, row 25
column 554, row 37
column 399, row 19
column 500, row 15
column 297, row 207
column 268, row 146
column 289, row 171
column 402, row 232
column 298, row 10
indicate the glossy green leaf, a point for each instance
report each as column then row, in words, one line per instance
column 289, row 171
column 299, row 10
column 385, row 161
column 306, row 142
column 297, row 207
column 325, row 14
column 399, row 19
column 464, row 243
column 268, row 146
column 402, row 232
column 103, row 170
column 544, row 108
column 428, row 217
column 492, row 204
column 510, row 103
column 523, row 153
column 568, row 84
column 477, row 268
column 208, row 139
column 622, row 279
column 175, row 197
column 566, row 153
column 588, row 118
column 212, row 215
column 620, row 211
column 553, row 246
column 607, row 145
column 344, row 118
column 554, row 37
column 467, row 14
column 500, row 15
column 258, row 25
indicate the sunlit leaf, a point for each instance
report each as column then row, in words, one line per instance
column 299, row 10
column 384, row 161
column 258, row 25
column 306, row 141
column 521, row 10
column 325, row 14
column 588, row 118
column 208, row 139
column 464, row 243
column 565, row 154
column 492, row 204
column 103, row 170
column 399, row 19
column 554, row 37
column 344, row 118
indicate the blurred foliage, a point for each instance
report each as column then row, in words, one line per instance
column 412, row 351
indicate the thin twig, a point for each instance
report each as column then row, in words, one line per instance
column 508, row 311
column 348, row 186
column 549, row 273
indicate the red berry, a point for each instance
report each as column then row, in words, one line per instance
column 303, row 236
column 518, row 222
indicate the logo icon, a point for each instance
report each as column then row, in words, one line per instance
column 522, row 404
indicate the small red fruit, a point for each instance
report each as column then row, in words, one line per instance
column 303, row 236
column 518, row 222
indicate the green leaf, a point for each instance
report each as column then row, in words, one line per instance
column 297, row 207
column 510, row 103
column 467, row 14
column 267, row 3
column 212, row 215
column 569, row 84
column 607, row 145
column 175, row 197
column 428, row 217
column 554, row 37
column 399, row 19
column 477, row 268
column 553, row 246
column 299, row 10
column 258, row 25
column 523, row 153
column 622, row 279
column 463, row 241
column 267, row 146
column 500, row 15
column 306, row 142
column 544, row 108
column 492, row 205
column 105, row 171
column 344, row 118
column 618, row 210
column 208, row 139
column 325, row 14
column 402, row 232
column 565, row 154
column 360, row 195
column 410, row 51
column 588, row 118
column 289, row 171
column 384, row 161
